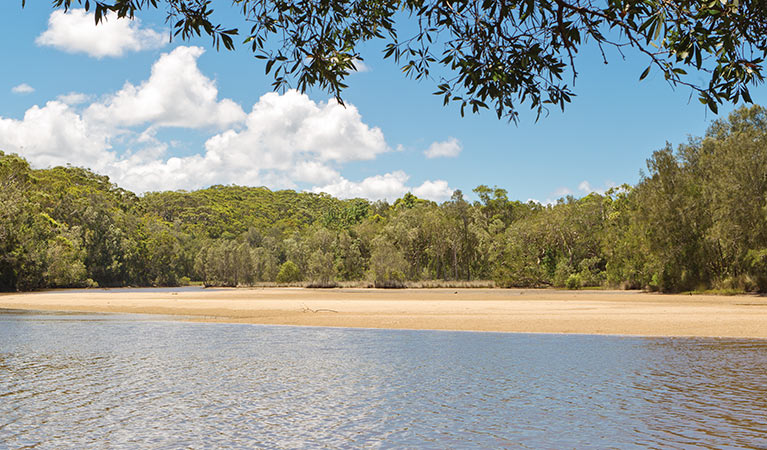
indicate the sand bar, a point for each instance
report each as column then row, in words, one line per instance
column 507, row 310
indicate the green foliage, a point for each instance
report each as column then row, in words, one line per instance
column 563, row 273
column 265, row 265
column 574, row 281
column 65, row 267
column 322, row 269
column 697, row 220
column 289, row 273
column 624, row 242
column 225, row 263
column 408, row 201
column 387, row 265
column 494, row 54
column 235, row 210
column 756, row 263
column 591, row 272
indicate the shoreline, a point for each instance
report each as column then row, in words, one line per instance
column 592, row 312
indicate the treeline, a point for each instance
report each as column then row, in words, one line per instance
column 696, row 220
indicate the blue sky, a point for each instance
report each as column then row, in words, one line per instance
column 155, row 115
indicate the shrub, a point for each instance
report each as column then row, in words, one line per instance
column 574, row 281
column 756, row 263
column 562, row 273
column 289, row 273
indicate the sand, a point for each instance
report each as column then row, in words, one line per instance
column 504, row 310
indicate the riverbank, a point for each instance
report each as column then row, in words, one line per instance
column 504, row 310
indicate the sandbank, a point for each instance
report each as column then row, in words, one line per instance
column 500, row 310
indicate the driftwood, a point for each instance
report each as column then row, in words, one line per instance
column 307, row 309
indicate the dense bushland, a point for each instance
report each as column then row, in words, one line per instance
column 697, row 219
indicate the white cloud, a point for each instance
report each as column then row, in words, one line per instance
column 77, row 32
column 283, row 130
column 286, row 141
column 314, row 172
column 437, row 190
column 449, row 148
column 283, row 144
column 55, row 135
column 389, row 186
column 23, row 88
column 73, row 98
column 176, row 94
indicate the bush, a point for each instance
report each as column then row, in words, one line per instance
column 592, row 272
column 289, row 273
column 574, row 281
column 562, row 273
column 756, row 263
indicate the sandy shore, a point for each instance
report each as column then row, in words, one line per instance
column 509, row 310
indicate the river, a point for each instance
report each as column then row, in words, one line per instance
column 132, row 381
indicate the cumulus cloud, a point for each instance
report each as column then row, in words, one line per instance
column 23, row 88
column 55, row 135
column 76, row 32
column 314, row 172
column 449, row 148
column 176, row 94
column 389, row 186
column 437, row 190
column 286, row 141
column 281, row 129
column 292, row 147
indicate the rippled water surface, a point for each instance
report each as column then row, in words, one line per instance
column 104, row 381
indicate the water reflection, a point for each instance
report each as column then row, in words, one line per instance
column 720, row 386
column 122, row 382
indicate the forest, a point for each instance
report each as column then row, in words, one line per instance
column 696, row 220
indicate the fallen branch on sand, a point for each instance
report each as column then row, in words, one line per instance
column 307, row 309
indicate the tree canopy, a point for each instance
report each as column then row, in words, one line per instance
column 485, row 54
column 696, row 220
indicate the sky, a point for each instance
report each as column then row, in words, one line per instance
column 154, row 114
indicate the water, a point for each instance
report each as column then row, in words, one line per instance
column 120, row 381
